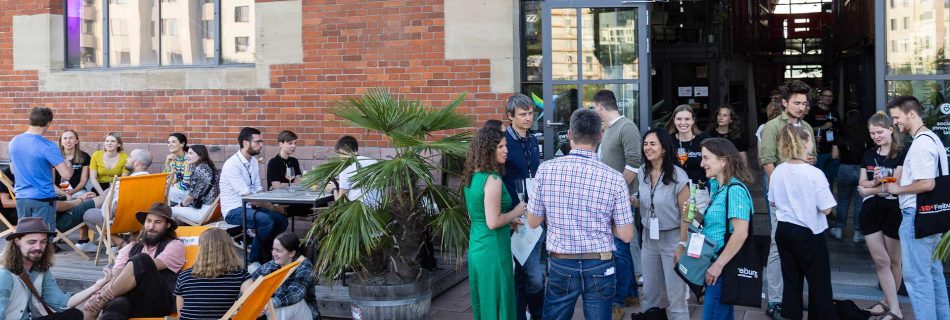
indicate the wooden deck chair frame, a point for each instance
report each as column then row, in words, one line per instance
column 213, row 214
column 59, row 235
column 10, row 226
column 119, row 219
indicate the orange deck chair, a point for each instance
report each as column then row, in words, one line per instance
column 136, row 193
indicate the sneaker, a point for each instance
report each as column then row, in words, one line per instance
column 836, row 233
column 775, row 311
column 858, row 237
column 618, row 313
column 87, row 247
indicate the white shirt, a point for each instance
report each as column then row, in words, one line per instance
column 239, row 177
column 347, row 174
column 921, row 163
column 799, row 192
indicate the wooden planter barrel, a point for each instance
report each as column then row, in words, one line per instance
column 376, row 302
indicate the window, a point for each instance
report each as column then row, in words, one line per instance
column 906, row 23
column 893, row 24
column 242, row 14
column 155, row 33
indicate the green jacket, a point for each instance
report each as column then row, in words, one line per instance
column 768, row 147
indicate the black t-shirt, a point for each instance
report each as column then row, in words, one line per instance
column 851, row 146
column 277, row 169
column 8, row 212
column 694, row 152
column 77, row 170
column 740, row 142
column 819, row 117
column 871, row 159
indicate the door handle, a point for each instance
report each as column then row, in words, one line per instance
column 550, row 124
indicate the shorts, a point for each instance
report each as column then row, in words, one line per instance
column 881, row 214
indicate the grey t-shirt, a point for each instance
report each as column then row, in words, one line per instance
column 666, row 206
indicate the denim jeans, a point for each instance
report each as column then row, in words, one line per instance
column 36, row 208
column 594, row 280
column 827, row 165
column 626, row 279
column 529, row 284
column 923, row 275
column 712, row 309
column 267, row 225
column 847, row 194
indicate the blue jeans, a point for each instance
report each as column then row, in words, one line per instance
column 712, row 309
column 626, row 279
column 923, row 275
column 827, row 165
column 267, row 224
column 529, row 284
column 847, row 194
column 36, row 208
column 595, row 280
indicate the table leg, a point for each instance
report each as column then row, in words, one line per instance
column 244, row 230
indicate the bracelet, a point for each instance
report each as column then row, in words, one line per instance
column 683, row 243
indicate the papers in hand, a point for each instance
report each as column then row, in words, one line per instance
column 523, row 241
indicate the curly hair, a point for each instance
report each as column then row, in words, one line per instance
column 216, row 255
column 734, row 130
column 774, row 108
column 481, row 154
column 791, row 142
column 882, row 120
column 12, row 259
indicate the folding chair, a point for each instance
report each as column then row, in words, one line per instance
column 213, row 214
column 9, row 184
column 136, row 193
column 59, row 235
column 189, row 235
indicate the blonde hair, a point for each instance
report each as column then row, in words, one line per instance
column 791, row 142
column 216, row 255
column 882, row 120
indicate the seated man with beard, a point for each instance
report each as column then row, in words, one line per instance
column 145, row 271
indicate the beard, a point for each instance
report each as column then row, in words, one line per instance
column 152, row 239
column 35, row 256
column 253, row 152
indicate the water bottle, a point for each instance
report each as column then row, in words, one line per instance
column 691, row 206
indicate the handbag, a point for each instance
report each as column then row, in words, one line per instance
column 933, row 208
column 693, row 270
column 744, row 270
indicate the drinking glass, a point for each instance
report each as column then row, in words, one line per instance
column 683, row 156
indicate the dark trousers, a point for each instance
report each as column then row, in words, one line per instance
column 68, row 314
column 804, row 256
column 151, row 296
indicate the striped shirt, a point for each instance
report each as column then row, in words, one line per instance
column 208, row 298
column 582, row 199
column 740, row 206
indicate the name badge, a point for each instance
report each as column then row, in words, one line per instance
column 654, row 229
column 830, row 136
column 695, row 248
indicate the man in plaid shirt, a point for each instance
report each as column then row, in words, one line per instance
column 586, row 205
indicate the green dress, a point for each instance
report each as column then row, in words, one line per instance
column 490, row 268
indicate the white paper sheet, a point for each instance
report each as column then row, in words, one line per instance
column 523, row 241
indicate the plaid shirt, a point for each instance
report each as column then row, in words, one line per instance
column 582, row 199
column 297, row 287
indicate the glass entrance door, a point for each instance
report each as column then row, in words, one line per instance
column 590, row 46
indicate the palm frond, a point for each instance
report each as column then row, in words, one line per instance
column 451, row 221
column 348, row 232
column 943, row 248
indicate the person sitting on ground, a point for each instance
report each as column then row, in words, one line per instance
column 347, row 146
column 209, row 288
column 177, row 164
column 283, row 169
column 28, row 254
column 107, row 163
column 295, row 299
column 139, row 160
column 203, row 185
column 145, row 271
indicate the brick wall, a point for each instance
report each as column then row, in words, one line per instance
column 349, row 47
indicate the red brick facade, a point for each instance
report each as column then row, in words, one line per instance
column 348, row 48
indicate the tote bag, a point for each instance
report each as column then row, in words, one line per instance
column 744, row 270
column 933, row 207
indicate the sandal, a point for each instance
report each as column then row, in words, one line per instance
column 883, row 306
column 891, row 315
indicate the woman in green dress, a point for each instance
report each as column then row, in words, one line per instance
column 490, row 269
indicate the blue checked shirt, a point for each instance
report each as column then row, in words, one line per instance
column 299, row 286
column 582, row 199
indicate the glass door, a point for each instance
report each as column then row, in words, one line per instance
column 590, row 46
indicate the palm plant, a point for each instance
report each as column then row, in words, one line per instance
column 382, row 241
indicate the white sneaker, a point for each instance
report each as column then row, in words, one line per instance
column 836, row 233
column 858, row 237
column 87, row 247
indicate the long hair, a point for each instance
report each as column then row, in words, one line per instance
column 13, row 258
column 216, row 255
column 169, row 233
column 791, row 142
column 671, row 125
column 733, row 122
column 481, row 154
column 726, row 151
column 881, row 119
column 77, row 153
column 203, row 156
column 668, row 159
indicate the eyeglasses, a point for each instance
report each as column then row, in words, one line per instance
column 258, row 141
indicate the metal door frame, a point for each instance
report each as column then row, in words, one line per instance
column 643, row 47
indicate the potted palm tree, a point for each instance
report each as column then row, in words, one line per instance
column 381, row 242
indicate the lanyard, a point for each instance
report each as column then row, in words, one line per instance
column 250, row 177
column 524, row 148
column 653, row 187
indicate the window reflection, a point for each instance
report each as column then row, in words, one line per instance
column 131, row 40
column 237, row 31
column 185, row 39
column 918, row 42
column 84, row 33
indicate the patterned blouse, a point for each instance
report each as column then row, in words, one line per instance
column 179, row 169
column 299, row 286
column 203, row 180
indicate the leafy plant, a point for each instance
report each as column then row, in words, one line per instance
column 383, row 241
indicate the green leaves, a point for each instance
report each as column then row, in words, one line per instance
column 348, row 232
column 943, row 248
